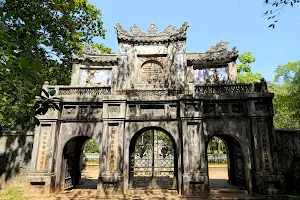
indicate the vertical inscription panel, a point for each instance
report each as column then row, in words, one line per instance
column 112, row 148
column 263, row 131
column 41, row 164
column 194, row 147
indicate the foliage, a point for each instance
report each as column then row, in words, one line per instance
column 38, row 39
column 287, row 149
column 102, row 48
column 287, row 96
column 91, row 146
column 245, row 75
column 277, row 7
column 213, row 146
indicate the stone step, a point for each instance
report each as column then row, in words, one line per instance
column 228, row 191
column 155, row 191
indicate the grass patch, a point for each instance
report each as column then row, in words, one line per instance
column 12, row 193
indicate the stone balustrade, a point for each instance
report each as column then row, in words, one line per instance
column 199, row 89
column 231, row 88
column 80, row 90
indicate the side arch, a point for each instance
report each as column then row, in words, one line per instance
column 233, row 131
column 69, row 132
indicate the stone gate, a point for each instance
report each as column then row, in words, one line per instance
column 153, row 108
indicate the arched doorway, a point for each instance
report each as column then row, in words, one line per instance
column 226, row 166
column 152, row 160
column 76, row 173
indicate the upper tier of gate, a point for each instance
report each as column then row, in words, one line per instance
column 155, row 64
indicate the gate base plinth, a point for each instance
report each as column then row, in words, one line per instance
column 267, row 183
column 196, row 185
column 38, row 184
column 110, row 185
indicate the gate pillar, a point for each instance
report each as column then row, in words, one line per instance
column 111, row 176
column 41, row 176
column 266, row 178
column 195, row 177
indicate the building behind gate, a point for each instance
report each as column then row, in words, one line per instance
column 153, row 108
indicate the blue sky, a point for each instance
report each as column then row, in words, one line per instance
column 239, row 22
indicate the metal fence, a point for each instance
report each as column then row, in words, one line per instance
column 212, row 158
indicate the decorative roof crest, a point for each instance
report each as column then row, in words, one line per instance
column 88, row 49
column 137, row 34
column 91, row 54
column 152, row 30
column 220, row 46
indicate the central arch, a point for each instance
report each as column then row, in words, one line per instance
column 153, row 160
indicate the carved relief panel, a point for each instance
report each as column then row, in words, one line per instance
column 153, row 110
column 191, row 109
column 95, row 77
column 83, row 112
column 69, row 111
column 152, row 70
column 124, row 49
column 113, row 110
column 211, row 75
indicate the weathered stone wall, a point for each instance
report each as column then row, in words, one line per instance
column 15, row 153
column 288, row 152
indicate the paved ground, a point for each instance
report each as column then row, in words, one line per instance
column 89, row 178
column 221, row 189
column 218, row 177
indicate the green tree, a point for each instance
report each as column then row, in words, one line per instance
column 103, row 49
column 287, row 96
column 38, row 39
column 91, row 146
column 245, row 75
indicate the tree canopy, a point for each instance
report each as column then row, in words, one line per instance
column 38, row 39
column 245, row 75
column 287, row 96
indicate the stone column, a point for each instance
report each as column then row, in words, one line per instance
column 111, row 176
column 232, row 71
column 75, row 77
column 41, row 177
column 266, row 177
column 195, row 177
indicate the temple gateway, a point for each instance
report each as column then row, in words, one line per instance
column 153, row 108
